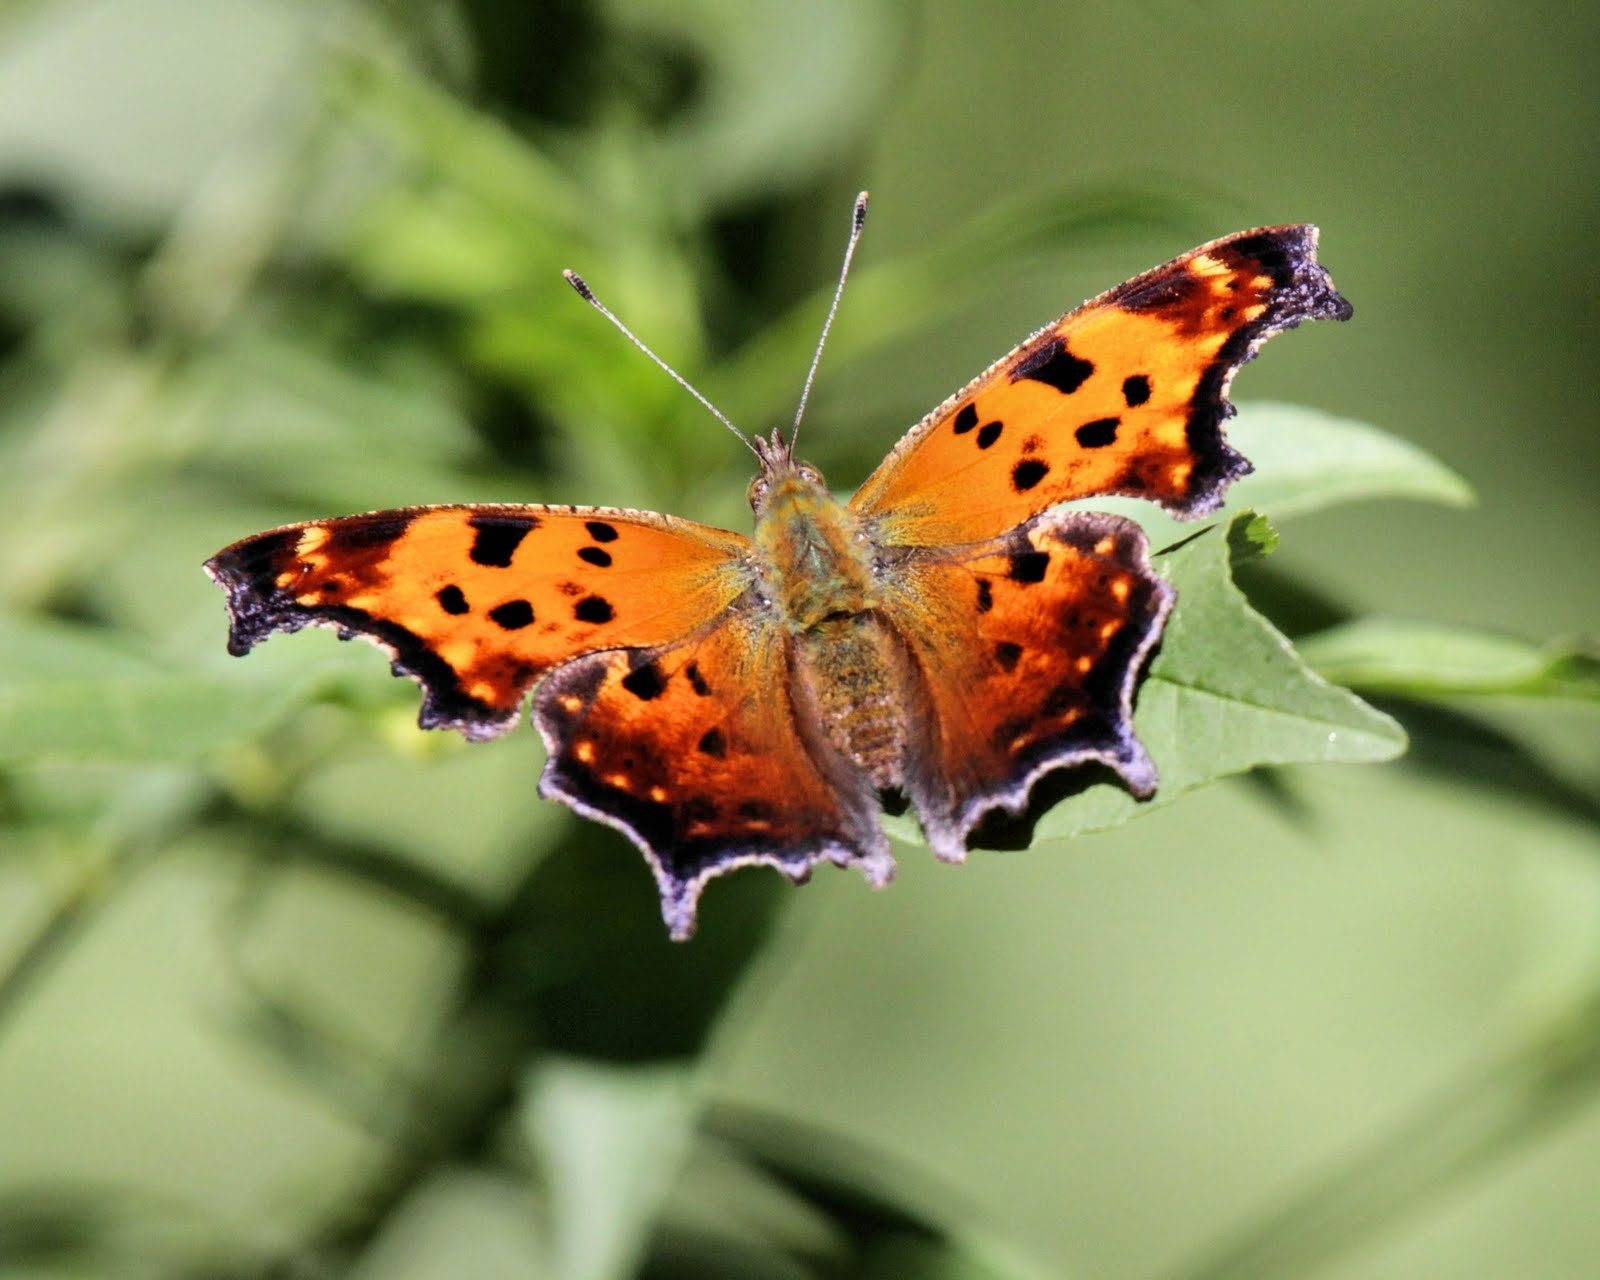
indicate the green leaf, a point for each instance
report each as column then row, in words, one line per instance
column 611, row 1140
column 1427, row 659
column 1308, row 461
column 1226, row 694
column 1251, row 537
column 70, row 693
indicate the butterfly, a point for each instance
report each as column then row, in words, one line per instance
column 949, row 634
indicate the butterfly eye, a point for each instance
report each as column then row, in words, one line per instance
column 809, row 473
column 758, row 492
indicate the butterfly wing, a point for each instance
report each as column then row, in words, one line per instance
column 666, row 703
column 1125, row 395
column 1030, row 631
column 695, row 751
column 1027, row 650
column 477, row 602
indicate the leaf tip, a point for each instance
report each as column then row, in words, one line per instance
column 1249, row 536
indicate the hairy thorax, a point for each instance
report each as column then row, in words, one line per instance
column 818, row 570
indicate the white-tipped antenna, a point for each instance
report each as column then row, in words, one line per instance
column 858, row 219
column 587, row 294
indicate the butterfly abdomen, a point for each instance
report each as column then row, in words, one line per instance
column 847, row 665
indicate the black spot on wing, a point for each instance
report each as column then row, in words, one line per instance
column 452, row 600
column 990, row 433
column 985, row 595
column 966, row 419
column 1029, row 566
column 595, row 609
column 1135, row 390
column 365, row 534
column 1099, row 433
column 645, row 682
column 600, row 531
column 599, row 557
column 1027, row 473
column 497, row 538
column 1055, row 366
column 713, row 744
column 513, row 615
column 1007, row 655
column 697, row 682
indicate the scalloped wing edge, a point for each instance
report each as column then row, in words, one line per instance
column 680, row 895
column 1120, row 751
column 1303, row 290
column 255, row 612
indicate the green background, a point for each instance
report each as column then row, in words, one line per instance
column 1339, row 1021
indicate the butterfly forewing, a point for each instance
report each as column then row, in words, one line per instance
column 477, row 602
column 1125, row 395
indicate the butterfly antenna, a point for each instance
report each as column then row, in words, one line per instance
column 587, row 294
column 858, row 219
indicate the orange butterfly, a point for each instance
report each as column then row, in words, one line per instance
column 949, row 633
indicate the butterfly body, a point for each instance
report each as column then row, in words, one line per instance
column 952, row 632
column 825, row 577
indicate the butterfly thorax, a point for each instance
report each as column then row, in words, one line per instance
column 818, row 570
column 814, row 563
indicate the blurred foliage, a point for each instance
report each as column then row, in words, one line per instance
column 359, row 304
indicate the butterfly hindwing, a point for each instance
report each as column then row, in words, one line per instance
column 1029, row 649
column 477, row 602
column 1125, row 395
column 695, row 751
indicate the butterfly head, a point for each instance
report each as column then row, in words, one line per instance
column 781, row 478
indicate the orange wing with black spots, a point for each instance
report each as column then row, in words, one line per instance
column 477, row 602
column 1125, row 395
column 695, row 751
column 1028, row 650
